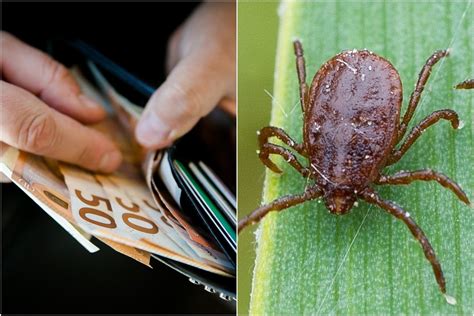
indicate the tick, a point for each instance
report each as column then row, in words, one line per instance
column 351, row 130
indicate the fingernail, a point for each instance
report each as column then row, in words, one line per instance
column 110, row 161
column 88, row 102
column 174, row 134
column 151, row 132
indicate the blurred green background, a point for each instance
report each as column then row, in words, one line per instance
column 257, row 35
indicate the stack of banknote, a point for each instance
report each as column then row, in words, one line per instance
column 119, row 209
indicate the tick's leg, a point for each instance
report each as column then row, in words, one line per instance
column 406, row 177
column 271, row 149
column 468, row 84
column 431, row 119
column 278, row 205
column 269, row 131
column 372, row 197
column 301, row 70
column 420, row 85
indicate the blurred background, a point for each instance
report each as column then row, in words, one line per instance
column 257, row 39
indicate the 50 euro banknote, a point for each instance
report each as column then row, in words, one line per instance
column 41, row 180
column 81, row 205
column 118, row 209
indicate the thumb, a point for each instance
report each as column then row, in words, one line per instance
column 192, row 90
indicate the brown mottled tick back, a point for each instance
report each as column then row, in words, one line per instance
column 351, row 123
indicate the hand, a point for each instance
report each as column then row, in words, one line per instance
column 41, row 107
column 201, row 58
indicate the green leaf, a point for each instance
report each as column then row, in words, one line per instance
column 367, row 262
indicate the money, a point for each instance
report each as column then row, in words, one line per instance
column 112, row 207
column 42, row 181
column 178, row 227
column 120, row 209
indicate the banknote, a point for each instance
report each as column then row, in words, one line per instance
column 106, row 207
column 41, row 179
column 190, row 238
column 38, row 180
column 127, row 115
column 119, row 209
column 116, row 207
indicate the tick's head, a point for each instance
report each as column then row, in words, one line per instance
column 339, row 201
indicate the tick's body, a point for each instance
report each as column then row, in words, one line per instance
column 351, row 127
column 351, row 123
